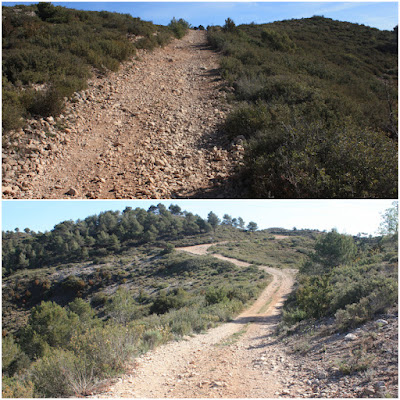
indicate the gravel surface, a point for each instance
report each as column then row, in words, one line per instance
column 150, row 130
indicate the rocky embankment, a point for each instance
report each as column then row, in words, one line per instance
column 149, row 130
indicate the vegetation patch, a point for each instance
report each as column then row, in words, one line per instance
column 232, row 339
column 349, row 280
column 50, row 51
column 316, row 101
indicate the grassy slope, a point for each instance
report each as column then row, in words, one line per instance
column 56, row 49
column 317, row 101
column 141, row 269
column 265, row 250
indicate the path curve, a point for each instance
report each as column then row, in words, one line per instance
column 217, row 364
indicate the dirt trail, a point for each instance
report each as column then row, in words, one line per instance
column 225, row 361
column 149, row 130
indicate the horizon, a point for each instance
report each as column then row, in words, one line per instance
column 346, row 216
column 379, row 15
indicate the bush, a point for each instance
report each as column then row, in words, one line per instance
column 311, row 133
column 122, row 307
column 58, row 48
column 62, row 374
column 165, row 302
column 49, row 325
column 13, row 358
column 74, row 284
column 17, row 388
column 105, row 349
column 179, row 28
column 98, row 299
column 314, row 161
column 216, row 295
column 277, row 41
column 152, row 338
column 367, row 307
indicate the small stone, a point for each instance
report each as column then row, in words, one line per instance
column 8, row 190
column 367, row 392
column 380, row 386
column 381, row 322
column 351, row 336
column 72, row 192
column 219, row 384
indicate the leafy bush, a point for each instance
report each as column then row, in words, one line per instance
column 152, row 338
column 13, row 358
column 313, row 161
column 62, row 374
column 179, row 27
column 277, row 41
column 49, row 325
column 336, row 283
column 122, row 307
column 17, row 388
column 378, row 301
column 105, row 349
column 167, row 301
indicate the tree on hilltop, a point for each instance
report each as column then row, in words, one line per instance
column 252, row 226
column 213, row 220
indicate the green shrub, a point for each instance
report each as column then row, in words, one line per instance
column 61, row 373
column 216, row 295
column 367, row 307
column 58, row 47
column 122, row 307
column 98, row 299
column 307, row 161
column 229, row 26
column 13, row 358
column 165, row 302
column 73, row 283
column 50, row 374
column 317, row 136
column 17, row 388
column 152, row 338
column 277, row 41
column 105, row 349
column 290, row 317
column 179, row 27
column 49, row 325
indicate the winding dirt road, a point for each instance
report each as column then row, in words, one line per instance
column 237, row 359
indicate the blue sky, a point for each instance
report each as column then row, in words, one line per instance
column 347, row 216
column 381, row 15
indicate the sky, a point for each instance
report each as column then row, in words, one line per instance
column 382, row 15
column 347, row 216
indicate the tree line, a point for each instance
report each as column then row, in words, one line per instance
column 108, row 232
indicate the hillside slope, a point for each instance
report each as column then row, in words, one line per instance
column 316, row 103
column 149, row 130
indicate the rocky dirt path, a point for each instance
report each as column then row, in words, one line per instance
column 149, row 130
column 237, row 359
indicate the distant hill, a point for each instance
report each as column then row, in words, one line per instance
column 317, row 106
